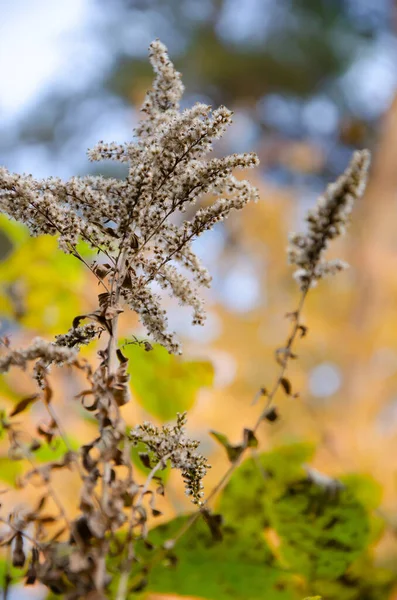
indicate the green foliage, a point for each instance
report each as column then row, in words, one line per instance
column 163, row 383
column 322, row 530
column 40, row 286
column 56, row 450
column 365, row 488
column 241, row 566
column 362, row 581
column 10, row 470
column 8, row 571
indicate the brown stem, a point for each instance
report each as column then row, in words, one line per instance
column 123, row 582
column 111, row 363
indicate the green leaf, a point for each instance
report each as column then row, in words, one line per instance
column 241, row 567
column 14, row 573
column 165, row 384
column 45, row 283
column 56, row 450
column 10, row 470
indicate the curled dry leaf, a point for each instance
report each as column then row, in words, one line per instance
column 23, row 404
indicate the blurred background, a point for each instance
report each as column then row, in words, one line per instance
column 309, row 81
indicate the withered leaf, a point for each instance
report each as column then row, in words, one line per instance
column 101, row 270
column 80, row 530
column 104, row 300
column 123, row 359
column 89, row 401
column 134, row 241
column 47, row 394
column 32, row 572
column 303, row 330
column 46, row 519
column 214, row 523
column 145, row 459
column 250, row 440
column 286, row 384
column 18, row 555
column 261, row 392
column 76, row 320
column 47, row 431
column 31, row 576
column 233, row 452
column 127, row 281
column 35, row 445
column 271, row 414
column 95, row 316
column 110, row 231
column 88, row 461
column 23, row 404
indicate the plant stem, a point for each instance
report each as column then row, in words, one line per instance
column 123, row 582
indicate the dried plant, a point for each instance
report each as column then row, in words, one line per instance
column 327, row 221
column 142, row 228
column 139, row 224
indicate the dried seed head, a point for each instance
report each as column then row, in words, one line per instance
column 144, row 216
column 327, row 220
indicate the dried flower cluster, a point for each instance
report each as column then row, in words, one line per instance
column 327, row 221
column 78, row 336
column 139, row 224
column 170, row 443
column 39, row 349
